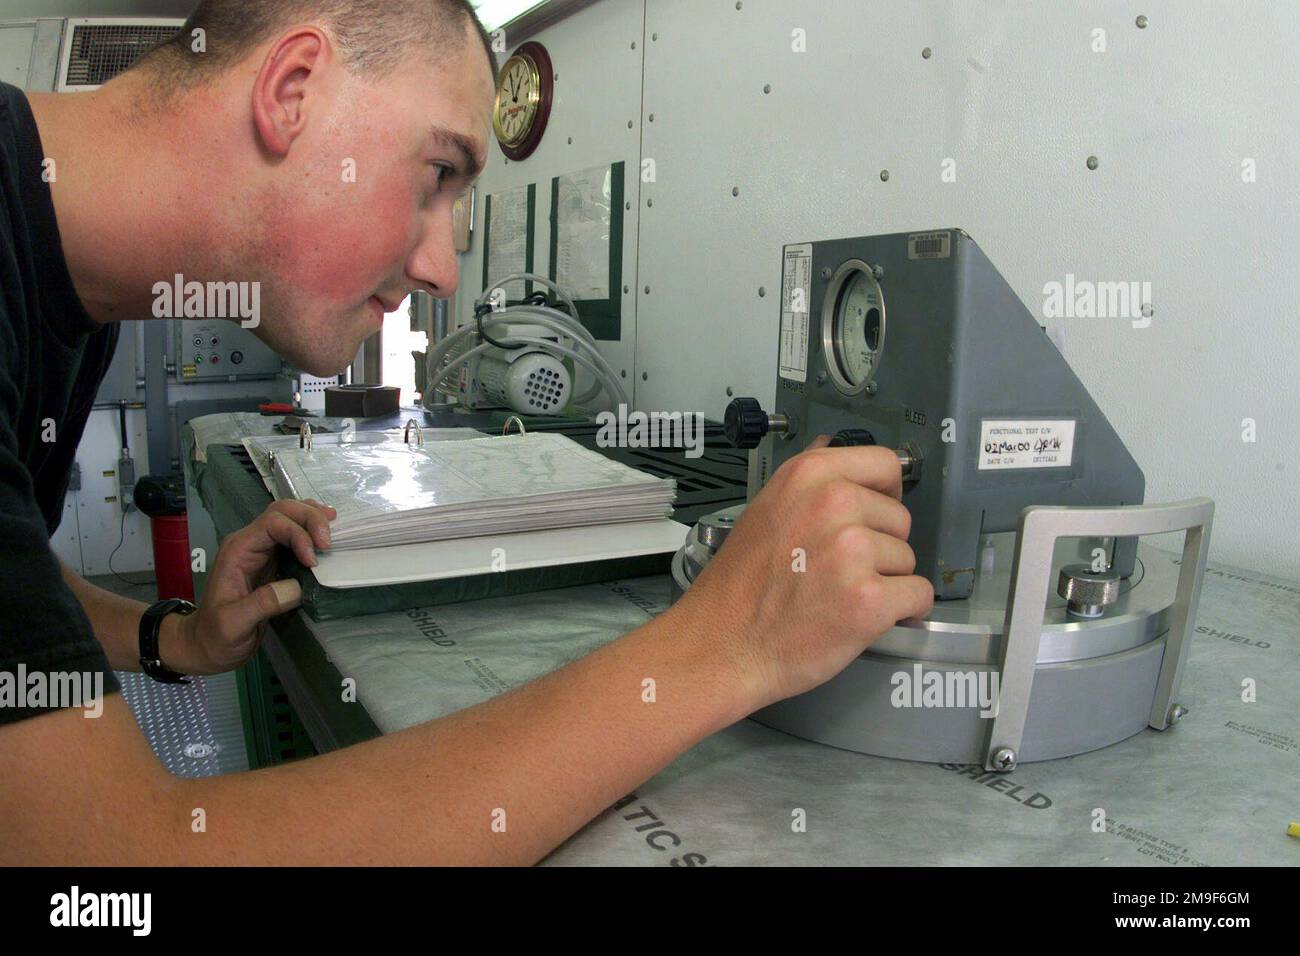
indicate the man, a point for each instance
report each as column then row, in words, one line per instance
column 226, row 165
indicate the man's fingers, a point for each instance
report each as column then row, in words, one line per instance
column 893, row 555
column 909, row 596
column 846, row 504
column 330, row 513
column 871, row 466
column 270, row 600
column 310, row 515
column 282, row 529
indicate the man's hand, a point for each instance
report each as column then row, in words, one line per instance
column 816, row 569
column 240, row 595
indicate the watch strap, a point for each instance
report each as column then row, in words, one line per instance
column 150, row 629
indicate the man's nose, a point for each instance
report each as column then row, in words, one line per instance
column 434, row 260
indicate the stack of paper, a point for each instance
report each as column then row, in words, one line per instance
column 393, row 494
column 263, row 449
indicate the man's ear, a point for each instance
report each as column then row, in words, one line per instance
column 281, row 99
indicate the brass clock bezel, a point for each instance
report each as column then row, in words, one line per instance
column 542, row 82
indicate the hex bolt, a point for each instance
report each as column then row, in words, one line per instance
column 1177, row 713
column 1004, row 759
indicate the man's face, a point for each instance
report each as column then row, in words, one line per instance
column 359, row 213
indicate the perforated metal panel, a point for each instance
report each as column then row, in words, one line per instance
column 95, row 51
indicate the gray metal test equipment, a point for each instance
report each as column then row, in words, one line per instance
column 1016, row 483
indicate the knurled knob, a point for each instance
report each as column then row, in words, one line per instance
column 745, row 423
column 1087, row 592
column 849, row 437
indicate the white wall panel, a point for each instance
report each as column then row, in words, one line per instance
column 1014, row 93
column 597, row 54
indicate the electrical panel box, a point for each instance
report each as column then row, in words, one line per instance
column 212, row 350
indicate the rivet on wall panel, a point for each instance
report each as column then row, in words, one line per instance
column 628, row 204
column 1142, row 22
column 767, row 88
column 730, row 391
column 739, row 4
column 570, row 140
column 634, row 44
column 649, row 203
column 654, row 36
column 884, row 175
column 626, row 290
column 927, row 53
column 625, row 373
column 629, row 124
column 735, row 190
column 645, row 376
column 762, row 292
column 1092, row 162
column 652, row 117
column 647, row 290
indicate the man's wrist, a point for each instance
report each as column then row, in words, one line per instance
column 177, row 647
column 725, row 659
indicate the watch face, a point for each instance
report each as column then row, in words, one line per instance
column 518, row 96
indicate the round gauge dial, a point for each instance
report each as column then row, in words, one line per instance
column 853, row 326
column 523, row 102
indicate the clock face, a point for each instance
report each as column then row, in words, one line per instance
column 518, row 97
column 525, row 89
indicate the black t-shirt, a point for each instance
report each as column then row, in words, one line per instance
column 52, row 359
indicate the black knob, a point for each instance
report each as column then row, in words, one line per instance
column 852, row 436
column 745, row 423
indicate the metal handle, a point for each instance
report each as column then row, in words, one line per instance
column 419, row 433
column 1040, row 526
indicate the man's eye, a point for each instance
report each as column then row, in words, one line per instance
column 443, row 171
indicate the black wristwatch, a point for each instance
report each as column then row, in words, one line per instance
column 150, row 624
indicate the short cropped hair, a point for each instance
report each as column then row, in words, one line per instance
column 374, row 36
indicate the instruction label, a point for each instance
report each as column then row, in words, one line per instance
column 796, row 292
column 1026, row 444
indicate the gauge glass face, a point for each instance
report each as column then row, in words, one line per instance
column 518, row 96
column 859, row 323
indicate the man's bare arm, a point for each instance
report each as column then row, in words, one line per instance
column 543, row 759
column 116, row 622
column 549, row 755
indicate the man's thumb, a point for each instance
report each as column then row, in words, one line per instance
column 266, row 602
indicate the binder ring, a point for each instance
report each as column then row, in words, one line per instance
column 419, row 433
column 304, row 436
column 515, row 420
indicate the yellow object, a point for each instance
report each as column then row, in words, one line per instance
column 1293, row 830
